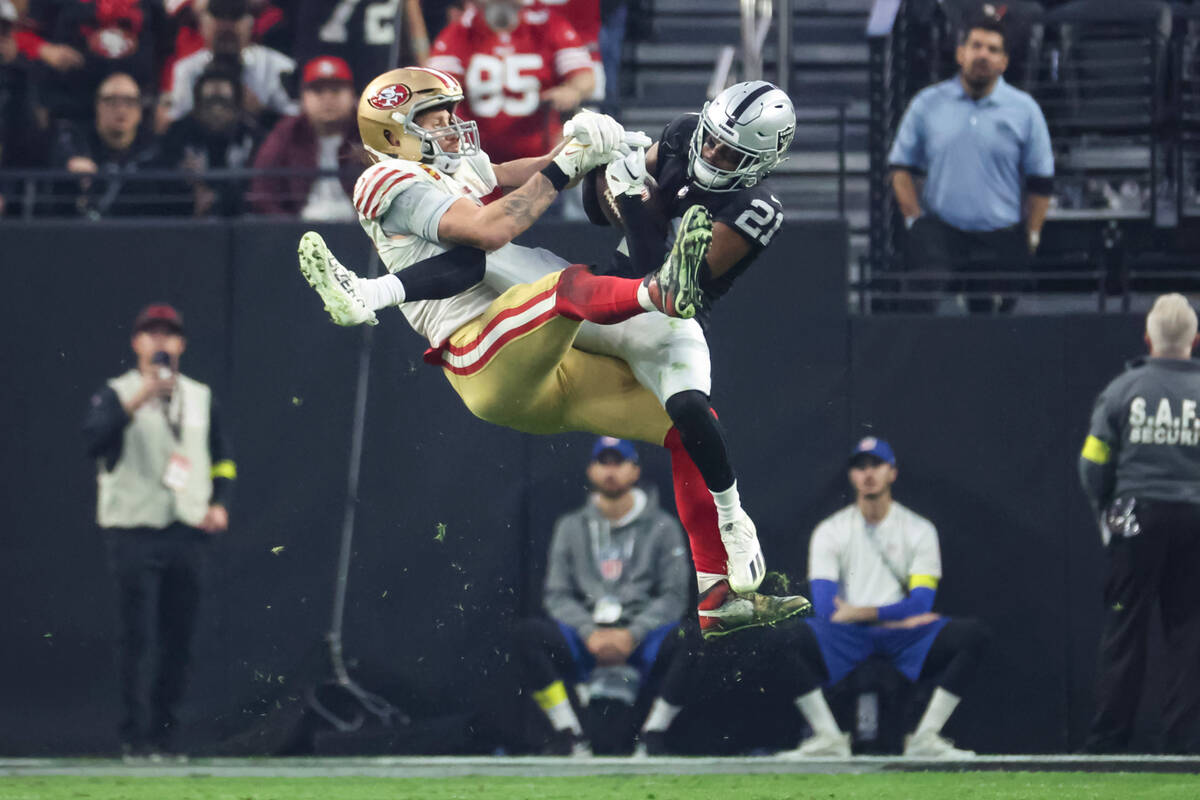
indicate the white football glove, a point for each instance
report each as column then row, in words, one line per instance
column 627, row 175
column 599, row 130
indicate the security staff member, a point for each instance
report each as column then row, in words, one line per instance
column 165, row 473
column 1140, row 467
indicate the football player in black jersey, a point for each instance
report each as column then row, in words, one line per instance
column 717, row 160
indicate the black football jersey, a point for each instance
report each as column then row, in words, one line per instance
column 753, row 212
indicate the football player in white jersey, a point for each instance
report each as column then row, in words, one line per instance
column 508, row 352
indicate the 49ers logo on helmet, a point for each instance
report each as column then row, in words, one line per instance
column 390, row 97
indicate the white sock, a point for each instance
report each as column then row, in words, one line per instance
column 662, row 714
column 706, row 580
column 643, row 295
column 941, row 706
column 562, row 717
column 381, row 292
column 816, row 711
column 729, row 504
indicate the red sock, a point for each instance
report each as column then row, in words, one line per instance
column 696, row 508
column 603, row 299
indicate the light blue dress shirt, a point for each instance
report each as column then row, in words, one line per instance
column 975, row 153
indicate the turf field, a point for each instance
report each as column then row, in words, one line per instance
column 918, row 786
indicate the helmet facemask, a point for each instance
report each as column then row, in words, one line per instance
column 467, row 134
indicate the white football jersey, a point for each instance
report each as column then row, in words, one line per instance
column 414, row 196
column 844, row 550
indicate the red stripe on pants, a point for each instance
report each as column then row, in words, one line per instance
column 603, row 299
column 696, row 508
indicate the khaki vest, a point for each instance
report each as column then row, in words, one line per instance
column 132, row 493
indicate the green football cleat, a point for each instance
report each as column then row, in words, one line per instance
column 675, row 287
column 337, row 286
column 723, row 611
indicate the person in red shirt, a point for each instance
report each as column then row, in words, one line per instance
column 584, row 16
column 519, row 68
column 325, row 136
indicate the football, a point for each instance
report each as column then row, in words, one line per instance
column 608, row 204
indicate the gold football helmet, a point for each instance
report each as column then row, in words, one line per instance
column 392, row 101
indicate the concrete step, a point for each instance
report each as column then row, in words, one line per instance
column 727, row 28
column 832, row 8
column 671, row 87
column 650, row 55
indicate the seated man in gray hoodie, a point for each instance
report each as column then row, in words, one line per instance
column 617, row 584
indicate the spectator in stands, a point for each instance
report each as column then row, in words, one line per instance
column 324, row 136
column 34, row 46
column 165, row 473
column 984, row 149
column 216, row 134
column 227, row 27
column 22, row 130
column 873, row 569
column 272, row 28
column 617, row 583
column 106, row 153
column 360, row 36
column 111, row 36
column 585, row 17
column 520, row 69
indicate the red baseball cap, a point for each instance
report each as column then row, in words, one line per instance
column 158, row 314
column 327, row 68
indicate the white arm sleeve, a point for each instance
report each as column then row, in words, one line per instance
column 416, row 211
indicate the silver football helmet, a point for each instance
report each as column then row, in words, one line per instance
column 754, row 119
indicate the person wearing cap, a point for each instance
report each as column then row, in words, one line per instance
column 228, row 28
column 324, row 136
column 165, row 473
column 1140, row 469
column 874, row 568
column 617, row 583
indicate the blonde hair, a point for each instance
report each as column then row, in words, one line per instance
column 1171, row 326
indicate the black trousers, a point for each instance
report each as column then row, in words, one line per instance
column 936, row 246
column 1157, row 568
column 159, row 578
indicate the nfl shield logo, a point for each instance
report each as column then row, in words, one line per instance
column 610, row 569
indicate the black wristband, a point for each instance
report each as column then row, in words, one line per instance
column 558, row 179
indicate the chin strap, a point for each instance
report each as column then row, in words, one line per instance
column 446, row 164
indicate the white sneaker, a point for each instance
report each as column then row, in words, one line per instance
column 337, row 285
column 933, row 747
column 746, row 565
column 820, row 745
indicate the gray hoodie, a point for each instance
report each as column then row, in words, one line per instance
column 647, row 564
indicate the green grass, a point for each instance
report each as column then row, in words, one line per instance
column 917, row 786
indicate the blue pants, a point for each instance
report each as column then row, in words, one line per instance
column 642, row 658
column 844, row 646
